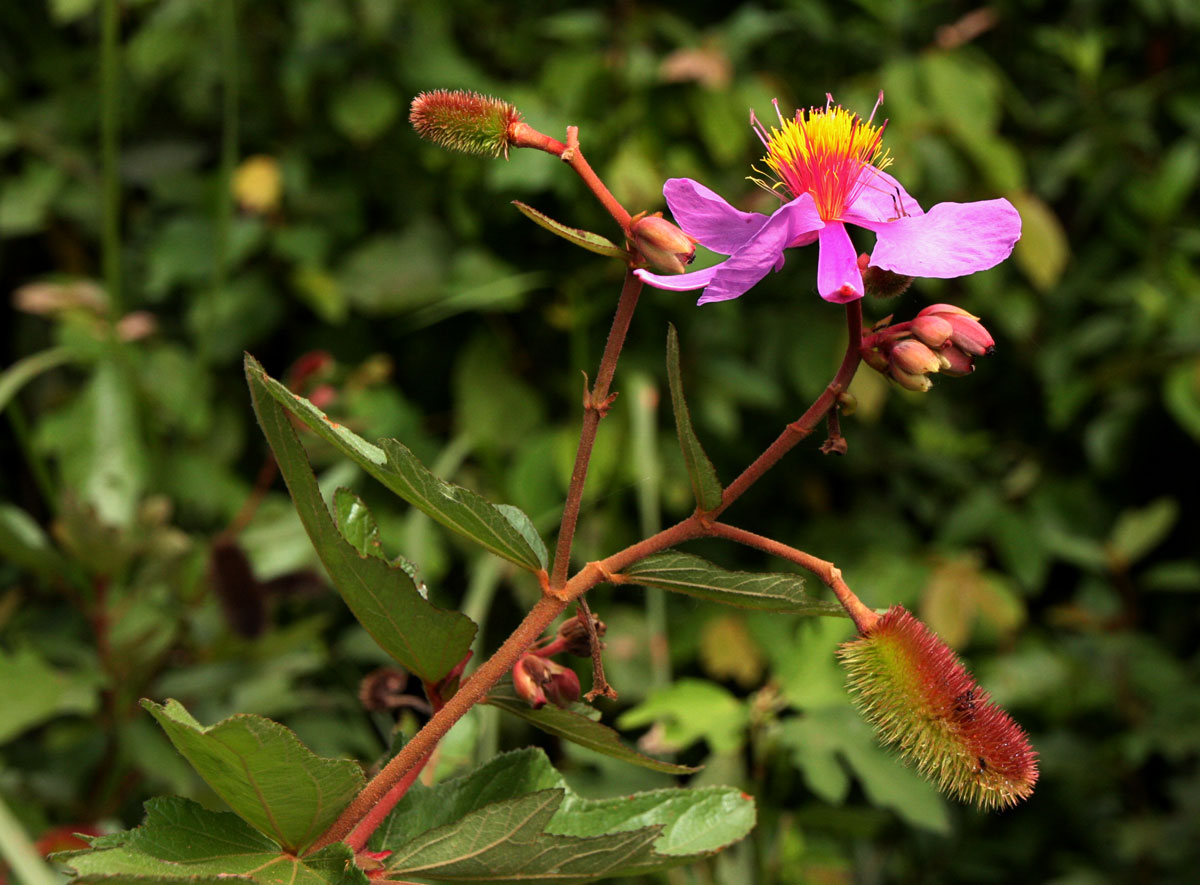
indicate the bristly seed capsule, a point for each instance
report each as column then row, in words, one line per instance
column 464, row 121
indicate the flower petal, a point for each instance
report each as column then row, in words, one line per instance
column 763, row 251
column 838, row 277
column 707, row 217
column 679, row 282
column 882, row 198
column 951, row 240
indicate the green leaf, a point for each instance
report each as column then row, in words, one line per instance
column 181, row 841
column 16, row 376
column 690, row 710
column 578, row 729
column 260, row 768
column 705, row 485
column 1043, row 251
column 1138, row 531
column 819, row 737
column 459, row 509
column 514, row 819
column 584, row 238
column 365, row 110
column 356, row 524
column 694, row 576
column 114, row 470
column 27, row 546
column 35, row 692
column 426, row 640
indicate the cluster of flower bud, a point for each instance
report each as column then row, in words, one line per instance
column 540, row 680
column 941, row 338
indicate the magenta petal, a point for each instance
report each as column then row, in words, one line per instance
column 679, row 282
column 882, row 198
column 763, row 251
column 951, row 240
column 707, row 217
column 838, row 277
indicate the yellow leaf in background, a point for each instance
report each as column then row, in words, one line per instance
column 728, row 651
column 258, row 184
column 1042, row 252
column 962, row 597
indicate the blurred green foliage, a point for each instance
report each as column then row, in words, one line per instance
column 1037, row 514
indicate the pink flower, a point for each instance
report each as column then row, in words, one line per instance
column 827, row 164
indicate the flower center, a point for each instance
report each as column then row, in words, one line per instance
column 823, row 151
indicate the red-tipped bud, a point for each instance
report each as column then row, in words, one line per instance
column 915, row 691
column 957, row 362
column 932, row 330
column 966, row 330
column 529, row 676
column 914, row 358
column 464, row 121
column 884, row 283
column 662, row 245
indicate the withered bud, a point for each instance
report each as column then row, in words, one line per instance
column 563, row 688
column 464, row 121
column 662, row 245
column 382, row 689
column 574, row 634
column 529, row 677
column 884, row 283
column 915, row 691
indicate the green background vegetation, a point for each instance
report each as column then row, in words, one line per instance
column 1040, row 514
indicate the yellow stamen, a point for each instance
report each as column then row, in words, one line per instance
column 823, row 152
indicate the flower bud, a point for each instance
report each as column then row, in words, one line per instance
column 464, row 121
column 529, row 676
column 956, row 361
column 966, row 330
column 662, row 245
column 932, row 330
column 914, row 358
column 563, row 687
column 914, row 690
column 919, row 383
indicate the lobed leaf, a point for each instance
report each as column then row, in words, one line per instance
column 578, row 729
column 694, row 576
column 263, row 771
column 180, row 841
column 458, row 509
column 514, row 819
column 426, row 640
column 705, row 484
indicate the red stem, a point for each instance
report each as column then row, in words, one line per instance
column 524, row 135
column 864, row 619
column 596, row 403
column 803, row 426
column 557, row 595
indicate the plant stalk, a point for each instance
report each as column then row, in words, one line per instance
column 596, row 403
